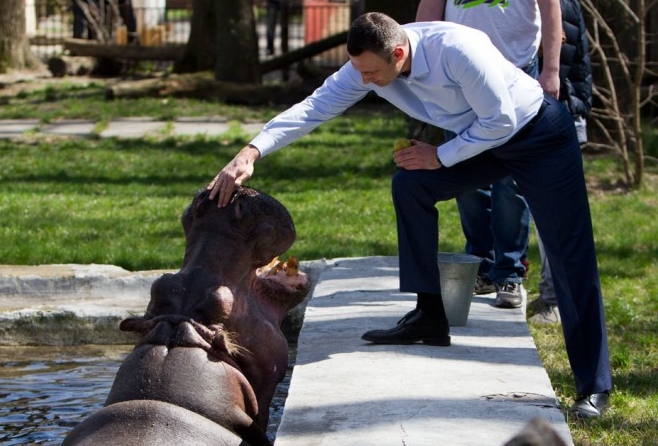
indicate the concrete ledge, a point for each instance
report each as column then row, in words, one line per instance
column 83, row 289
column 71, row 304
column 61, row 328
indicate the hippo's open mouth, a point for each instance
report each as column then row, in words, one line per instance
column 286, row 274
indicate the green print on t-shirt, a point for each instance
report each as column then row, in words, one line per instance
column 471, row 3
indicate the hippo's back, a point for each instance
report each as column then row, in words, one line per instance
column 147, row 423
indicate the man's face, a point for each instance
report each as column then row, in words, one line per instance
column 376, row 70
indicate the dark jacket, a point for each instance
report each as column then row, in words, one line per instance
column 575, row 69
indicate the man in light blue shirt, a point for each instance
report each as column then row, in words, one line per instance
column 483, row 106
column 452, row 77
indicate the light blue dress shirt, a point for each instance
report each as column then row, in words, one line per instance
column 459, row 82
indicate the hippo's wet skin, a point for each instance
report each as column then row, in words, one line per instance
column 211, row 350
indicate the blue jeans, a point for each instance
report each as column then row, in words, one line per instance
column 546, row 163
column 496, row 224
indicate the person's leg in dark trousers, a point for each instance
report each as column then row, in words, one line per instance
column 272, row 11
column 415, row 194
column 78, row 20
column 547, row 165
column 475, row 215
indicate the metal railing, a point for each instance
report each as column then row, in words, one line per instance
column 49, row 22
column 166, row 22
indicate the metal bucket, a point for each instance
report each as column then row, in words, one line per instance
column 458, row 274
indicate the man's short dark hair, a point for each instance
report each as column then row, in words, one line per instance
column 374, row 32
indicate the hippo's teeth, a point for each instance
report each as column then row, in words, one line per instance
column 271, row 268
column 291, row 267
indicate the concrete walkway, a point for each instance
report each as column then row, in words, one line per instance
column 480, row 391
column 124, row 128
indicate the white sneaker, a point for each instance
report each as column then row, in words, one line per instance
column 509, row 295
column 539, row 312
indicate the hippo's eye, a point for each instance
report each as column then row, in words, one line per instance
column 238, row 210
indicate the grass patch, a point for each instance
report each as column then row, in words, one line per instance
column 86, row 100
column 119, row 202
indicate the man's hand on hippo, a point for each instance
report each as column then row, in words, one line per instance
column 233, row 174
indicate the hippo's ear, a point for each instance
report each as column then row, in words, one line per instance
column 196, row 208
column 201, row 203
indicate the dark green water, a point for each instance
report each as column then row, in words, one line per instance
column 46, row 391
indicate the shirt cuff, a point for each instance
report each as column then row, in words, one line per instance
column 447, row 154
column 264, row 143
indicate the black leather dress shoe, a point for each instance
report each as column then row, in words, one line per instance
column 415, row 326
column 590, row 406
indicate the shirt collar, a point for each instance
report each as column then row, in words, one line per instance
column 419, row 65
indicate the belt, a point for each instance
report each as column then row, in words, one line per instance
column 528, row 127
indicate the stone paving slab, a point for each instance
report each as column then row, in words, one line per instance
column 69, row 127
column 211, row 126
column 252, row 128
column 133, row 128
column 10, row 128
column 187, row 128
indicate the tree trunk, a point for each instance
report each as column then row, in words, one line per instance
column 15, row 50
column 203, row 85
column 92, row 48
column 61, row 66
column 240, row 62
column 222, row 39
column 200, row 52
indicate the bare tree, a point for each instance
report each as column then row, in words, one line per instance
column 223, row 39
column 617, row 35
column 101, row 17
column 15, row 50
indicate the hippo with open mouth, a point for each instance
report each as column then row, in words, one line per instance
column 211, row 351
